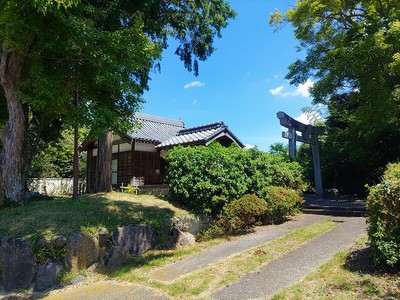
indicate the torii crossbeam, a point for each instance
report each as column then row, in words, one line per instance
column 309, row 135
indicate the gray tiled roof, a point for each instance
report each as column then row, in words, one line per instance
column 155, row 129
column 195, row 135
column 166, row 133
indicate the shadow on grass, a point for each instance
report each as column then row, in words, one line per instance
column 178, row 203
column 360, row 261
column 151, row 258
column 89, row 214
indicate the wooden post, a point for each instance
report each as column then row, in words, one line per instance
column 317, row 165
column 292, row 142
column 75, row 171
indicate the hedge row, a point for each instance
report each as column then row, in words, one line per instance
column 240, row 215
column 383, row 208
column 204, row 179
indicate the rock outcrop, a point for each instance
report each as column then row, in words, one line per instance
column 116, row 257
column 20, row 269
column 47, row 275
column 17, row 264
column 181, row 239
column 81, row 252
column 136, row 239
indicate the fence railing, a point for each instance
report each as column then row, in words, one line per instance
column 55, row 186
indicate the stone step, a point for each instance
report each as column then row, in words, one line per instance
column 335, row 211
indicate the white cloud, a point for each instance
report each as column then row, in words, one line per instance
column 194, row 84
column 194, row 101
column 248, row 146
column 309, row 118
column 303, row 118
column 276, row 91
column 302, row 90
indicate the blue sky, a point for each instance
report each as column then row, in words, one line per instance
column 242, row 83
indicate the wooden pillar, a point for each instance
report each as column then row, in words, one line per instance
column 292, row 142
column 317, row 165
column 89, row 170
column 75, row 170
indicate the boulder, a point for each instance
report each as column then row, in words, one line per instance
column 116, row 257
column 78, row 279
column 18, row 264
column 104, row 239
column 181, row 239
column 43, row 242
column 47, row 275
column 82, row 251
column 136, row 239
column 191, row 224
column 60, row 242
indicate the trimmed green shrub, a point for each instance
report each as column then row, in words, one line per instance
column 383, row 209
column 242, row 214
column 204, row 179
column 237, row 217
column 281, row 202
column 273, row 170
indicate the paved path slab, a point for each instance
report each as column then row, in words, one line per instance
column 180, row 268
column 108, row 290
column 295, row 265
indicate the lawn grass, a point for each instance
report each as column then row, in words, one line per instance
column 349, row 275
column 199, row 284
column 89, row 214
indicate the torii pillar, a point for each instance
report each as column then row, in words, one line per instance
column 309, row 135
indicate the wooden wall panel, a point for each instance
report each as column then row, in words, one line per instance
column 148, row 165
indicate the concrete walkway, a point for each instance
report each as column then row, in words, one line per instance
column 263, row 283
column 173, row 271
column 295, row 265
column 108, row 290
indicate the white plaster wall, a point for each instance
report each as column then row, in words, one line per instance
column 145, row 147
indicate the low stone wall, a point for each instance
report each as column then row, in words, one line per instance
column 20, row 269
column 54, row 186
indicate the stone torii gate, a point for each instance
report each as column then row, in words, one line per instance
column 309, row 135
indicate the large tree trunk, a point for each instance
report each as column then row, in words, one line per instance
column 104, row 163
column 14, row 138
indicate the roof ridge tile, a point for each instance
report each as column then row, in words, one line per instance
column 205, row 127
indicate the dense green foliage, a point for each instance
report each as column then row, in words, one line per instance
column 241, row 214
column 54, row 158
column 265, row 170
column 281, row 202
column 204, row 178
column 383, row 207
column 237, row 217
column 87, row 63
column 352, row 52
column 102, row 52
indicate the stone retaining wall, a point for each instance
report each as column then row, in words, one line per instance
column 20, row 269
